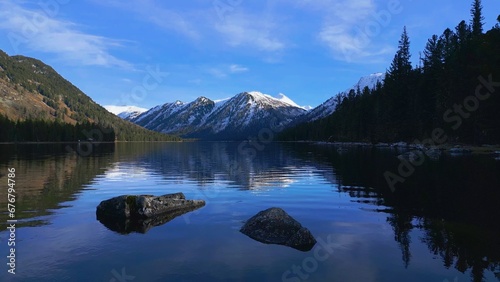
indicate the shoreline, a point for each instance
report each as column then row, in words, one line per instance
column 477, row 149
column 449, row 147
column 85, row 142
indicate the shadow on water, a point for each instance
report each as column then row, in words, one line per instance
column 454, row 201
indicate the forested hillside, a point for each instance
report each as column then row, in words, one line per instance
column 454, row 90
column 34, row 93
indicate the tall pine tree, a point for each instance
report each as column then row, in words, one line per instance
column 401, row 65
column 398, row 84
column 477, row 18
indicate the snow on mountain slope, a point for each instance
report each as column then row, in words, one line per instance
column 252, row 109
column 148, row 118
column 328, row 107
column 237, row 117
column 121, row 109
column 232, row 118
column 125, row 112
column 287, row 100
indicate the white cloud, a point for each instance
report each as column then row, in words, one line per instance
column 155, row 13
column 349, row 30
column 36, row 30
column 238, row 28
column 223, row 71
column 244, row 30
column 237, row 68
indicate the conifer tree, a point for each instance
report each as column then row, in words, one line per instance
column 401, row 65
column 433, row 53
column 477, row 18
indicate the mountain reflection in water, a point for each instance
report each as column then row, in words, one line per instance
column 453, row 201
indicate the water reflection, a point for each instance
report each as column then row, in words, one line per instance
column 453, row 201
column 128, row 225
column 211, row 162
column 47, row 176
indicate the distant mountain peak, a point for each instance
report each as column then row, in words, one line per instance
column 203, row 99
column 279, row 100
column 120, row 109
column 233, row 118
column 283, row 98
column 256, row 95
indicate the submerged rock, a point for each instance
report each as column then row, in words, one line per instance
column 129, row 213
column 275, row 226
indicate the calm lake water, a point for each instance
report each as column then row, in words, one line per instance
column 441, row 224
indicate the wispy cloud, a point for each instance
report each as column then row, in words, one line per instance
column 35, row 30
column 245, row 30
column 349, row 30
column 201, row 23
column 223, row 71
column 237, row 68
column 156, row 13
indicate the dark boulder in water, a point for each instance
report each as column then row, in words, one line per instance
column 275, row 226
column 130, row 213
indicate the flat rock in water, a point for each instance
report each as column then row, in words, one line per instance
column 275, row 226
column 129, row 213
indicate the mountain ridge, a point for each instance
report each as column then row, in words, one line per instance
column 233, row 118
column 33, row 90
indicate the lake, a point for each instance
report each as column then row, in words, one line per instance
column 440, row 224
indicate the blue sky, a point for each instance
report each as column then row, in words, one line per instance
column 148, row 52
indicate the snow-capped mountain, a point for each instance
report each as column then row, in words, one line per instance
column 235, row 118
column 328, row 107
column 281, row 97
column 369, row 81
column 125, row 112
column 178, row 117
column 239, row 117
